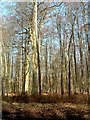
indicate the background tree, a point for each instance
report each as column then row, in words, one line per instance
column 45, row 53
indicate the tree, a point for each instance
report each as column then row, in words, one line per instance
column 34, row 50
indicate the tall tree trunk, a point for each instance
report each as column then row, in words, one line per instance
column 22, row 59
column 39, row 70
column 89, row 68
column 34, row 50
column 62, row 87
column 81, row 62
column 69, row 63
column 24, row 78
column 27, row 82
column 1, row 70
column 46, row 87
column 12, row 71
column 61, row 56
column 75, row 69
column 50, row 76
column 69, row 77
column 88, row 40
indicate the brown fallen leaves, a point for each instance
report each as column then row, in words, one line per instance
column 46, row 107
column 38, row 110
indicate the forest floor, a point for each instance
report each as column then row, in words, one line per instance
column 47, row 107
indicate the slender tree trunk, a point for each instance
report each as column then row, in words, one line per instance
column 39, row 70
column 46, row 87
column 89, row 68
column 12, row 71
column 25, row 58
column 61, row 56
column 22, row 59
column 75, row 69
column 69, row 77
column 69, row 63
column 50, row 76
column 81, row 62
column 6, row 75
column 1, row 70
column 61, row 52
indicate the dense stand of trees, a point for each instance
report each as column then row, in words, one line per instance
column 45, row 47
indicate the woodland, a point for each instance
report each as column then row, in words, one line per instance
column 45, row 60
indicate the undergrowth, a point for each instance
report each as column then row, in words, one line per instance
column 49, row 98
